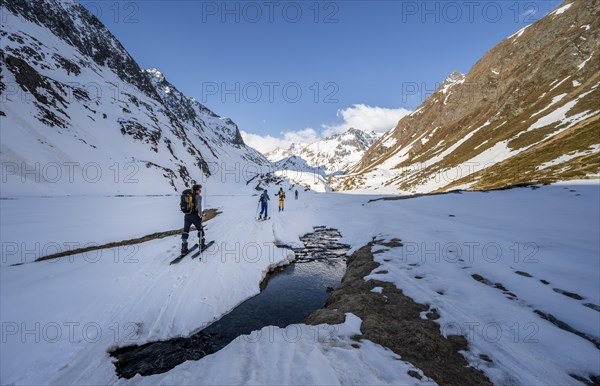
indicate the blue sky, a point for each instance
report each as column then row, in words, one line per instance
column 299, row 70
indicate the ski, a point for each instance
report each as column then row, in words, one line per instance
column 206, row 246
column 178, row 259
column 263, row 219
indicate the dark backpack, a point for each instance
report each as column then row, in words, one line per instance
column 186, row 203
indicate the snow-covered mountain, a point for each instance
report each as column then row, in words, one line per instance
column 298, row 172
column 279, row 153
column 334, row 154
column 526, row 112
column 294, row 162
column 79, row 116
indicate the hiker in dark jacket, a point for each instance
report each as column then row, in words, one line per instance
column 264, row 200
column 192, row 216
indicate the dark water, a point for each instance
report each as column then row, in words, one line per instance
column 287, row 296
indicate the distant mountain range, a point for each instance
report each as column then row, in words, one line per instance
column 334, row 154
column 528, row 111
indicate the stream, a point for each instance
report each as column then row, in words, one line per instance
column 288, row 296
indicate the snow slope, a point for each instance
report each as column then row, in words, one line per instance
column 60, row 317
column 79, row 116
column 297, row 171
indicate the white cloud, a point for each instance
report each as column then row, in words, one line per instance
column 267, row 143
column 366, row 118
column 307, row 135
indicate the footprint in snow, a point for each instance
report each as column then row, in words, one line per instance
column 594, row 307
column 572, row 295
column 522, row 273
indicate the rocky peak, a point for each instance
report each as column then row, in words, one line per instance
column 454, row 78
column 353, row 138
column 193, row 112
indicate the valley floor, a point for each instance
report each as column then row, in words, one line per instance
column 499, row 268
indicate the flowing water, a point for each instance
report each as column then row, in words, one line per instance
column 288, row 295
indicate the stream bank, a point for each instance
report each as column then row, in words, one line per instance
column 288, row 296
column 393, row 320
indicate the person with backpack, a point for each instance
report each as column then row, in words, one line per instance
column 191, row 206
column 263, row 200
column 281, row 195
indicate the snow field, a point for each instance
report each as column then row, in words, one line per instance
column 549, row 233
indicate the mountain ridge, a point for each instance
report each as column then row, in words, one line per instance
column 75, row 101
column 526, row 103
